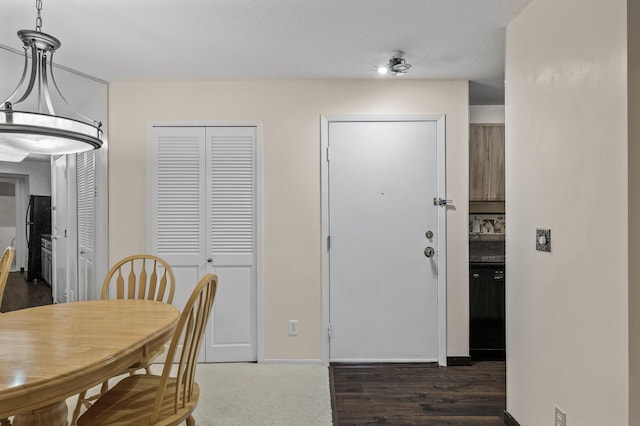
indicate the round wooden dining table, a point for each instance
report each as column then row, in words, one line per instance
column 52, row 352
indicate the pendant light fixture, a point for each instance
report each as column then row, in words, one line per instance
column 37, row 129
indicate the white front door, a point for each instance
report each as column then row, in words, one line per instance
column 203, row 219
column 383, row 289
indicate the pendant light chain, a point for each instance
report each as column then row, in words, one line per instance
column 39, row 18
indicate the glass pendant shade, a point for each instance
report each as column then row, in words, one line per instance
column 12, row 155
column 46, row 134
column 42, row 131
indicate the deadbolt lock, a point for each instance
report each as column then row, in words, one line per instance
column 429, row 252
column 429, row 234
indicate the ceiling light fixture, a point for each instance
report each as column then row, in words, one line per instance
column 12, row 155
column 396, row 65
column 42, row 131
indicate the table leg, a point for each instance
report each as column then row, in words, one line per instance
column 54, row 415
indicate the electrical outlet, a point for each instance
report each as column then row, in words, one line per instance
column 561, row 418
column 293, row 327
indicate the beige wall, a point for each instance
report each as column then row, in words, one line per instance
column 290, row 112
column 486, row 114
column 566, row 160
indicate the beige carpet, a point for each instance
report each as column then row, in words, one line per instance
column 247, row 394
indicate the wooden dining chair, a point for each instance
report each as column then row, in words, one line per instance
column 5, row 266
column 146, row 399
column 141, row 276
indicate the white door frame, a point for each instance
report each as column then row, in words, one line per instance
column 59, row 233
column 21, row 184
column 259, row 208
column 442, row 223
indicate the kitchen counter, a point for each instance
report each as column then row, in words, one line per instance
column 486, row 237
column 486, row 258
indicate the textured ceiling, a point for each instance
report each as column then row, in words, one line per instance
column 117, row 40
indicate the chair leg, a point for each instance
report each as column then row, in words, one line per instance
column 88, row 402
column 76, row 412
column 191, row 421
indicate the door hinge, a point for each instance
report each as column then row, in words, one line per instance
column 327, row 154
column 329, row 242
column 329, row 330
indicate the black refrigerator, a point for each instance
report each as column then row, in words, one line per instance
column 38, row 222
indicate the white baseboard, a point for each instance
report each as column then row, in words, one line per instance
column 293, row 361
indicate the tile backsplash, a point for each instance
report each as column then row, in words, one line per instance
column 487, row 224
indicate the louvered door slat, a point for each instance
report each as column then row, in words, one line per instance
column 178, row 193
column 232, row 231
column 232, row 195
column 86, row 225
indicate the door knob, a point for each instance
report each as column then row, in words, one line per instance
column 429, row 252
column 210, row 260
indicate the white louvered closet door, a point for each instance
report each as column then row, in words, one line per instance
column 203, row 219
column 231, row 228
column 86, row 182
column 177, row 210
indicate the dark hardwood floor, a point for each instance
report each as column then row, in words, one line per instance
column 418, row 394
column 20, row 293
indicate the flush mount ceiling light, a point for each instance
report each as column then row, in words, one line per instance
column 396, row 65
column 42, row 131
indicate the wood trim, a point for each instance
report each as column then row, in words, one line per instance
column 458, row 361
column 334, row 402
column 509, row 420
column 370, row 365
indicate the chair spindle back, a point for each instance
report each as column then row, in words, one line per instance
column 186, row 343
column 141, row 276
column 5, row 266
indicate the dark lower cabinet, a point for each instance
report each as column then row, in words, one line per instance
column 486, row 311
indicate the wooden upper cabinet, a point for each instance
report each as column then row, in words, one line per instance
column 486, row 162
